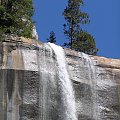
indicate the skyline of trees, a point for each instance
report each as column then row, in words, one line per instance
column 16, row 19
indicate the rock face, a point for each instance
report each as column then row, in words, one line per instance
column 33, row 83
column 96, row 82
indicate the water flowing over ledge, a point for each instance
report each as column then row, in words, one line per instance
column 44, row 82
column 65, row 84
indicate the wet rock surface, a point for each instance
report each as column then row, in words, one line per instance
column 96, row 82
column 30, row 87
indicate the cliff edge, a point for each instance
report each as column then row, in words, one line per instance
column 29, row 88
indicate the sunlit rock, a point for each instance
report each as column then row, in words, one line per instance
column 34, row 33
column 45, row 82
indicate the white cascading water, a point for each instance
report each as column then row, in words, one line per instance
column 65, row 83
column 92, row 82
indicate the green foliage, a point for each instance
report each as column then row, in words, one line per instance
column 74, row 17
column 72, row 29
column 85, row 43
column 15, row 17
column 52, row 37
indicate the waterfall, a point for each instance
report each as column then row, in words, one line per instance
column 67, row 92
column 39, row 82
column 92, row 82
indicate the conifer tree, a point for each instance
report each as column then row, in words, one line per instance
column 52, row 37
column 75, row 17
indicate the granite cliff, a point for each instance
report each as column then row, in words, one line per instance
column 45, row 82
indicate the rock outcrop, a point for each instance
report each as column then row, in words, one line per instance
column 30, row 86
column 97, row 86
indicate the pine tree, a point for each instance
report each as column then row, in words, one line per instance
column 74, row 18
column 78, row 39
column 52, row 37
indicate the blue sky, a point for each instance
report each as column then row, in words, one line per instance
column 104, row 25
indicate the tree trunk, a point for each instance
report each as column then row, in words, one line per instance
column 72, row 32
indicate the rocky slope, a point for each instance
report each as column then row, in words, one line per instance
column 30, row 86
